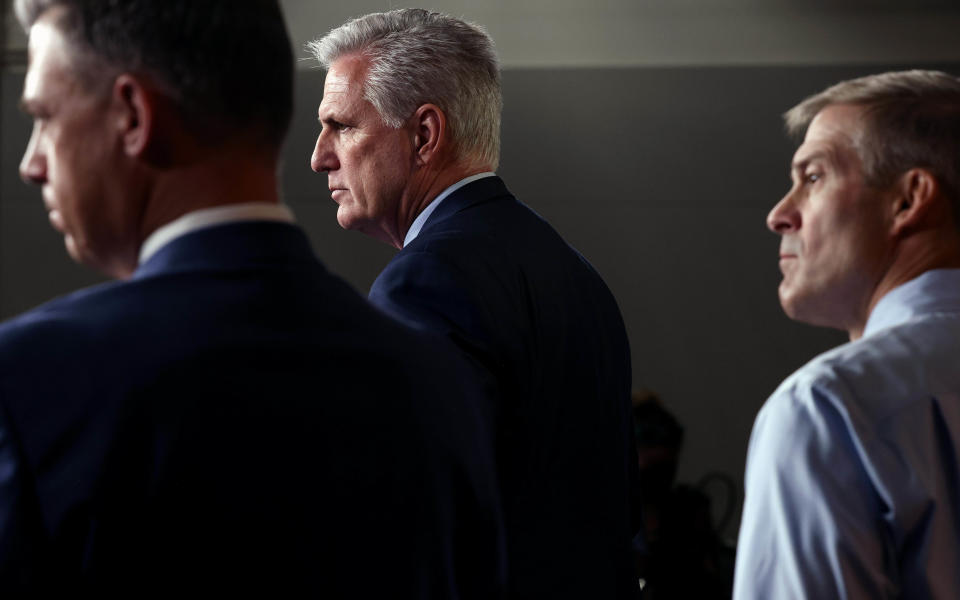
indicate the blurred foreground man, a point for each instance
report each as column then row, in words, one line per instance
column 853, row 473
column 230, row 417
column 411, row 135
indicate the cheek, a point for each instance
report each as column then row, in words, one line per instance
column 385, row 171
column 826, row 228
column 64, row 184
column 75, row 156
column 72, row 178
column 84, row 177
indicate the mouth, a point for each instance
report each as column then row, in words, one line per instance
column 786, row 263
column 336, row 193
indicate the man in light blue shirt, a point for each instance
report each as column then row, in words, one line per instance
column 853, row 471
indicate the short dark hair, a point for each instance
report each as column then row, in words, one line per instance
column 228, row 64
column 910, row 119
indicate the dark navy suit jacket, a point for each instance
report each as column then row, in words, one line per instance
column 490, row 274
column 236, row 419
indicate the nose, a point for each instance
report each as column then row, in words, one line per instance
column 784, row 217
column 324, row 158
column 33, row 165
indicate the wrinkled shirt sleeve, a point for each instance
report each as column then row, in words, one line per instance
column 810, row 527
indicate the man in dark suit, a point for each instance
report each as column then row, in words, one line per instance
column 228, row 417
column 410, row 139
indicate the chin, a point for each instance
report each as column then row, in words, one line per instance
column 792, row 305
column 73, row 251
column 345, row 219
column 808, row 310
column 351, row 220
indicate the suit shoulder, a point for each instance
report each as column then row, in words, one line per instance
column 499, row 218
column 58, row 317
column 503, row 232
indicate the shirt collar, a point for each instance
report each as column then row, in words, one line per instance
column 421, row 219
column 937, row 290
column 206, row 217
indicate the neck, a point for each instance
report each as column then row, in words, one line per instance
column 216, row 180
column 424, row 189
column 914, row 255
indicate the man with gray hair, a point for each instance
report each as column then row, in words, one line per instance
column 853, row 471
column 410, row 139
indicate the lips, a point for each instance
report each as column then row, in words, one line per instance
column 789, row 248
column 335, row 192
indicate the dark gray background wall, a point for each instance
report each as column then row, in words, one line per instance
column 662, row 177
column 647, row 132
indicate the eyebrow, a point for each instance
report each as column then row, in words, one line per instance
column 825, row 155
column 330, row 121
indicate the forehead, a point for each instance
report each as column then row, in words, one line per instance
column 343, row 86
column 833, row 133
column 48, row 59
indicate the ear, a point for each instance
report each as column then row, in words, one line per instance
column 430, row 133
column 135, row 106
column 915, row 194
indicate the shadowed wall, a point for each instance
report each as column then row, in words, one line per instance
column 661, row 177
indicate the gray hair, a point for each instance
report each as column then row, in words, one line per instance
column 910, row 119
column 418, row 57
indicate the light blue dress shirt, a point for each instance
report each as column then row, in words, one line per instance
column 853, row 471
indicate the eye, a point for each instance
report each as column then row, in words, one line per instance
column 812, row 177
column 336, row 125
